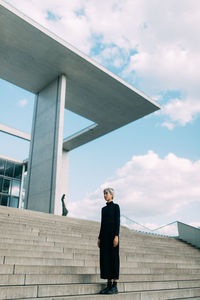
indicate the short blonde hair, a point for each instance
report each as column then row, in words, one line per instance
column 110, row 190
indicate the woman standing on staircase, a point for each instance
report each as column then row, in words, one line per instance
column 108, row 242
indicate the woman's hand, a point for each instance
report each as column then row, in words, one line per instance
column 98, row 243
column 116, row 241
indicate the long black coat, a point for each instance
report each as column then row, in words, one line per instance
column 109, row 255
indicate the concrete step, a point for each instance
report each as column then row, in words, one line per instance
column 74, row 238
column 64, row 247
column 55, row 279
column 81, row 231
column 33, row 235
column 58, row 290
column 91, row 262
column 51, row 257
column 32, row 247
column 181, row 294
column 141, row 237
column 79, row 251
column 7, row 269
column 63, row 270
column 47, row 279
column 18, row 292
column 13, row 292
column 32, row 250
column 94, row 255
column 12, row 213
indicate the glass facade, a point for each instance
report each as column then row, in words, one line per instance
column 10, row 182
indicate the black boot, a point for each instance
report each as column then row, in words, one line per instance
column 109, row 286
column 113, row 289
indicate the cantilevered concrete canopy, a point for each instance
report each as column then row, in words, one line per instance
column 31, row 57
column 37, row 60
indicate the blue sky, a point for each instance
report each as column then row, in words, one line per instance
column 153, row 163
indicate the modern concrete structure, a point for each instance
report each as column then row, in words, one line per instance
column 61, row 77
column 39, row 261
column 15, row 132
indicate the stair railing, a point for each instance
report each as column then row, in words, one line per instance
column 170, row 229
column 176, row 229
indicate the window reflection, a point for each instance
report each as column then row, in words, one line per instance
column 6, row 186
column 4, row 200
column 18, row 171
column 2, row 166
column 9, row 169
column 1, row 184
column 15, row 188
column 14, row 202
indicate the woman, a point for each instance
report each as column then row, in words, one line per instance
column 108, row 242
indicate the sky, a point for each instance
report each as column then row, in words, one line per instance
column 153, row 163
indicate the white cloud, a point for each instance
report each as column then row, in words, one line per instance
column 154, row 42
column 22, row 102
column 181, row 111
column 170, row 126
column 147, row 186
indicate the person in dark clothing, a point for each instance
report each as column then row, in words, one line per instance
column 64, row 209
column 108, row 242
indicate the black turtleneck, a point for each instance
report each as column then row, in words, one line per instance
column 110, row 220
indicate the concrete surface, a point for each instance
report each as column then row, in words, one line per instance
column 45, row 158
column 37, row 261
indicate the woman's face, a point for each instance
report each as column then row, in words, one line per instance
column 107, row 196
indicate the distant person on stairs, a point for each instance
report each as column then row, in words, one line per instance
column 64, row 209
column 108, row 242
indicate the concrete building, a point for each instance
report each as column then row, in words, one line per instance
column 61, row 77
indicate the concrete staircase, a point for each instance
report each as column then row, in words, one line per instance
column 50, row 257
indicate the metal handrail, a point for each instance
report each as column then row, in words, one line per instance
column 165, row 225
column 136, row 222
column 151, row 231
column 185, row 232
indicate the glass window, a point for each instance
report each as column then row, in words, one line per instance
column 15, row 188
column 4, row 200
column 18, row 171
column 14, row 202
column 6, row 186
column 1, row 184
column 9, row 169
column 2, row 166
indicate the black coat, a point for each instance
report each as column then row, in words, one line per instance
column 109, row 255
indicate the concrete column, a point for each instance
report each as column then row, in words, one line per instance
column 62, row 183
column 21, row 188
column 45, row 155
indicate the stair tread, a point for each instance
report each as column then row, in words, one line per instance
column 37, row 260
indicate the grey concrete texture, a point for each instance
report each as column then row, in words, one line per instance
column 90, row 262
column 15, row 132
column 45, row 155
column 55, row 267
column 150, row 295
column 24, row 279
column 189, row 234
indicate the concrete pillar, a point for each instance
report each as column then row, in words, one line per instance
column 21, row 188
column 45, row 157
